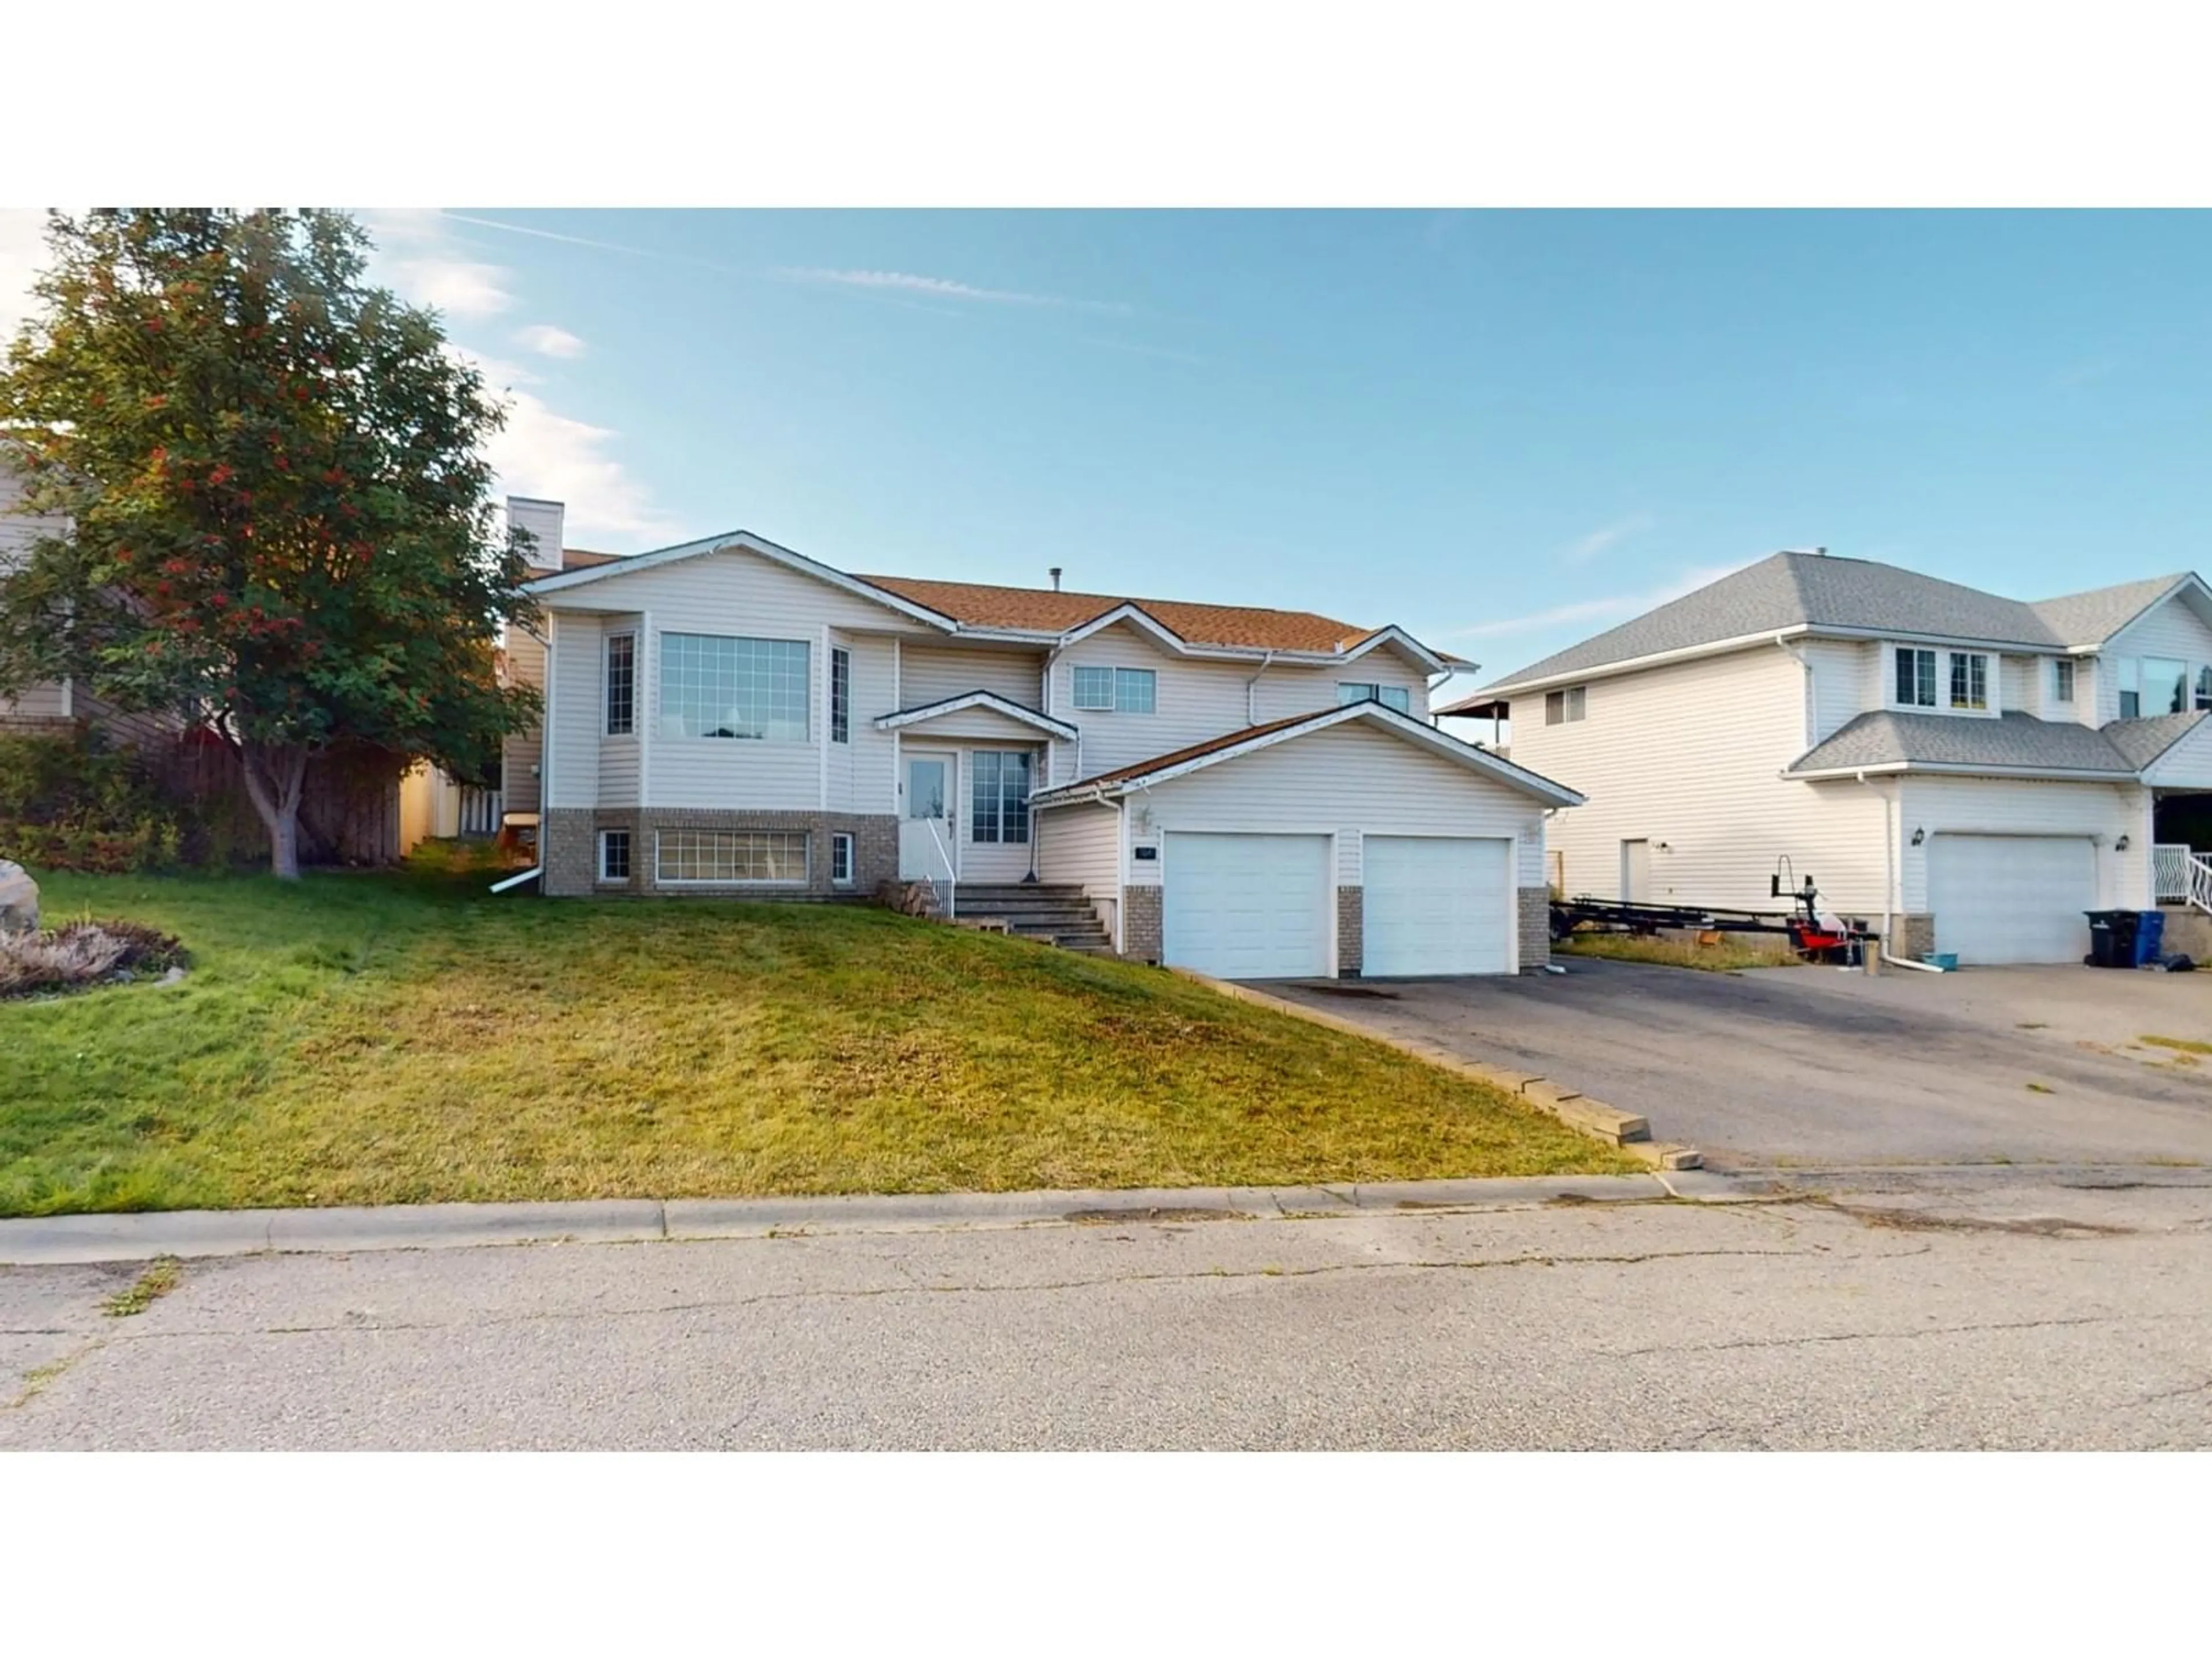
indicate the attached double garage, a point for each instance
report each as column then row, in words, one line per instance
column 1363, row 843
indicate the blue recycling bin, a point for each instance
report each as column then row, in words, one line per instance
column 2150, row 929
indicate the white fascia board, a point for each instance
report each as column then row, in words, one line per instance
column 1466, row 754
column 1510, row 688
column 2184, row 585
column 991, row 699
column 1136, row 614
column 1398, row 636
column 745, row 542
column 2043, row 773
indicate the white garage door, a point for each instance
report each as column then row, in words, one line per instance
column 1248, row 907
column 2012, row 899
column 1436, row 905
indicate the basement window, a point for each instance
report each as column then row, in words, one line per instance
column 840, row 860
column 614, row 855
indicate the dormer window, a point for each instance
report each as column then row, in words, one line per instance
column 1970, row 680
column 1916, row 677
column 2062, row 680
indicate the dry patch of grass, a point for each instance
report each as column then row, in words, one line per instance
column 1727, row 954
column 2180, row 1045
column 79, row 955
column 371, row 1039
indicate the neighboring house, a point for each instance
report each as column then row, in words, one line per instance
column 1976, row 770
column 1251, row 792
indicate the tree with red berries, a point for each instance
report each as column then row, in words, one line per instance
column 276, row 506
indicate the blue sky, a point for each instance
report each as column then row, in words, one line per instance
column 1504, row 430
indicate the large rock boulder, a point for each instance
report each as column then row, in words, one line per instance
column 18, row 900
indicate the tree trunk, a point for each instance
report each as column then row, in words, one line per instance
column 275, row 774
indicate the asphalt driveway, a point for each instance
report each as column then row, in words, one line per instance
column 1813, row 1068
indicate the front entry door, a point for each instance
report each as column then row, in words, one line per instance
column 926, row 840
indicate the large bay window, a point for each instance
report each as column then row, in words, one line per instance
column 2165, row 685
column 715, row 686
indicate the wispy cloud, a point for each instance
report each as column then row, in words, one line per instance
column 939, row 288
column 549, row 341
column 1586, row 548
column 2082, row 373
column 1611, row 607
column 417, row 256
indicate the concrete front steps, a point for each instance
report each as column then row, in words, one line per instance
column 1055, row 914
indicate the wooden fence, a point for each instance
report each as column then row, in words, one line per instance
column 348, row 806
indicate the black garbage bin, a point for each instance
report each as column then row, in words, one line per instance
column 2112, row 938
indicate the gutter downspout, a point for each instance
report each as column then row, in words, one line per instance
column 1252, row 692
column 1888, row 800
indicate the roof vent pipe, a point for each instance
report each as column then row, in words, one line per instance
column 1054, row 574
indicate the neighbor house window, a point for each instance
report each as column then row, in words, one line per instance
column 768, row 855
column 622, row 684
column 1916, row 677
column 2062, row 681
column 1000, row 796
column 1390, row 697
column 1123, row 691
column 841, row 694
column 1970, row 680
column 2165, row 686
column 1562, row 708
column 2204, row 688
column 840, row 860
column 2127, row 675
column 712, row 686
column 614, row 855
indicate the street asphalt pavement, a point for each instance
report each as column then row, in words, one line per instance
column 2025, row 1309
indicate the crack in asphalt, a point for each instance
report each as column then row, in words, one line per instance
column 1894, row 1336
column 1197, row 1276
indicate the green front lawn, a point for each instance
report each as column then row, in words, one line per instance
column 381, row 1039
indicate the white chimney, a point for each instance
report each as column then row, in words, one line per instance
column 543, row 519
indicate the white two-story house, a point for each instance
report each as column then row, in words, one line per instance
column 1975, row 771
column 1250, row 793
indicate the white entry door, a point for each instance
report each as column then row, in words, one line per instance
column 925, row 824
column 2012, row 899
column 1436, row 904
column 1247, row 907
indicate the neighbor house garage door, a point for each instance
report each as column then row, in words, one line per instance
column 1248, row 907
column 1436, row 905
column 2012, row 899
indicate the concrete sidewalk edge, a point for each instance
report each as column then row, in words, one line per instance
column 50, row 1240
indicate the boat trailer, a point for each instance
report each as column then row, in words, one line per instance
column 1816, row 935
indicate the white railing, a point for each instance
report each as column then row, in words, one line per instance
column 944, row 853
column 2181, row 876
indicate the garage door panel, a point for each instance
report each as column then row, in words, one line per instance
column 1436, row 905
column 1247, row 906
column 2002, row 899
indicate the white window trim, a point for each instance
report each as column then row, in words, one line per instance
column 600, row 874
column 606, row 682
column 842, row 841
column 814, row 716
column 1890, row 652
column 1992, row 667
column 1114, row 672
column 805, row 879
column 2065, row 681
column 1992, row 680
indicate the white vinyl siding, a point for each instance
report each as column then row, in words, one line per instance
column 1081, row 844
column 1346, row 780
column 930, row 674
column 1838, row 689
column 2172, row 631
column 524, row 753
column 1200, row 698
column 860, row 775
column 1691, row 754
column 573, row 689
column 2102, row 813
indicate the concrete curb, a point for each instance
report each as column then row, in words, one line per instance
column 1625, row 1131
column 77, row 1239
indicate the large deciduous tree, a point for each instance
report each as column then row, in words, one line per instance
column 274, row 500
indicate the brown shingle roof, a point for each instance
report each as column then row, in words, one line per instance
column 1177, row 757
column 1048, row 610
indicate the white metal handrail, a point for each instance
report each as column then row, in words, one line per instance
column 2181, row 875
column 945, row 853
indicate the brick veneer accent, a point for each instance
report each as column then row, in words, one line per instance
column 1535, row 928
column 1914, row 936
column 570, row 838
column 1351, row 931
column 1140, row 923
